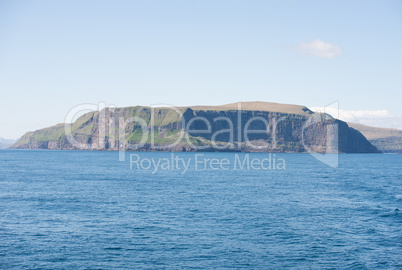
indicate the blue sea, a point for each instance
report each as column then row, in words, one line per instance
column 88, row 210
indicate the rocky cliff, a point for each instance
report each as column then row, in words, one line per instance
column 247, row 126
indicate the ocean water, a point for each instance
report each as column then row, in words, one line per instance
column 87, row 210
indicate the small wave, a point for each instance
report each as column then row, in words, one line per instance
column 113, row 248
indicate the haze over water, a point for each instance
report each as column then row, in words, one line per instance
column 87, row 210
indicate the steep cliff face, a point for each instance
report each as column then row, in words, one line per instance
column 256, row 127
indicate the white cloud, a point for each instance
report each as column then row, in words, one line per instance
column 319, row 48
column 378, row 118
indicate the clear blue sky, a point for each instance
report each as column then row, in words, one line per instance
column 57, row 54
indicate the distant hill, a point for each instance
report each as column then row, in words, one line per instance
column 386, row 140
column 169, row 127
column 257, row 106
column 5, row 143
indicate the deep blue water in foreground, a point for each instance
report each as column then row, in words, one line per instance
column 87, row 210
